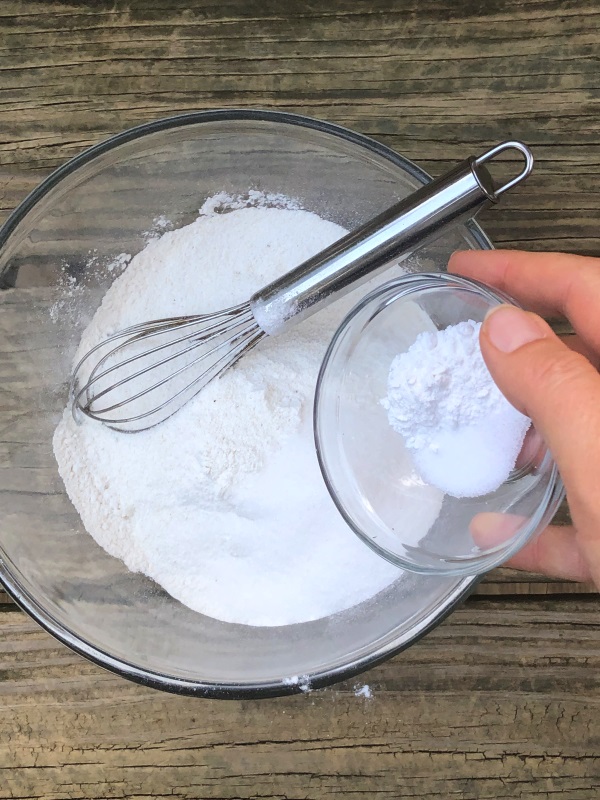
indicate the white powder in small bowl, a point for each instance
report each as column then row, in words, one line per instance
column 463, row 433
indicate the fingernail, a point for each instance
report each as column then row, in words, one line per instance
column 455, row 253
column 509, row 328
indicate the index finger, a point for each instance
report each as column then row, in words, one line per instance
column 551, row 284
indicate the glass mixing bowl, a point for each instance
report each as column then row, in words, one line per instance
column 370, row 473
column 56, row 256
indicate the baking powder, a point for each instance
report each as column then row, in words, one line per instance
column 464, row 434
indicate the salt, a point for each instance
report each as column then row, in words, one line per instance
column 463, row 433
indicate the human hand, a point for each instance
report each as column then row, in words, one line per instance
column 555, row 382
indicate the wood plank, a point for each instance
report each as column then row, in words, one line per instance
column 501, row 701
column 512, row 582
column 433, row 79
column 15, row 184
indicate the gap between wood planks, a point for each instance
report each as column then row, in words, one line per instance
column 502, row 583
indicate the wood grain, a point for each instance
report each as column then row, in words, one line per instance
column 499, row 702
column 433, row 79
column 502, row 701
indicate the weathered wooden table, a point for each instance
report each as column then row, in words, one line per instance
column 501, row 701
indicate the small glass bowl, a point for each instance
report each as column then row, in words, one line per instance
column 369, row 471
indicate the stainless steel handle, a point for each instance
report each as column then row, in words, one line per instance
column 383, row 241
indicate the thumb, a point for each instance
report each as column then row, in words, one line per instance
column 560, row 390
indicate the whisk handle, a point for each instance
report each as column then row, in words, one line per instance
column 385, row 240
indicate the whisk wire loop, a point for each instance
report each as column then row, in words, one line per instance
column 229, row 359
column 213, row 331
column 132, row 398
column 221, row 339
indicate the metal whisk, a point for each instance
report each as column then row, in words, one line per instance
column 143, row 374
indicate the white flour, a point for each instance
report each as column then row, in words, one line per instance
column 464, row 434
column 223, row 504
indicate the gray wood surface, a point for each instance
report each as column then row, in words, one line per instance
column 502, row 701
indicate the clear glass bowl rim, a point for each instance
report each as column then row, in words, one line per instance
column 29, row 603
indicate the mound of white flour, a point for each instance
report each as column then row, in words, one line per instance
column 223, row 504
